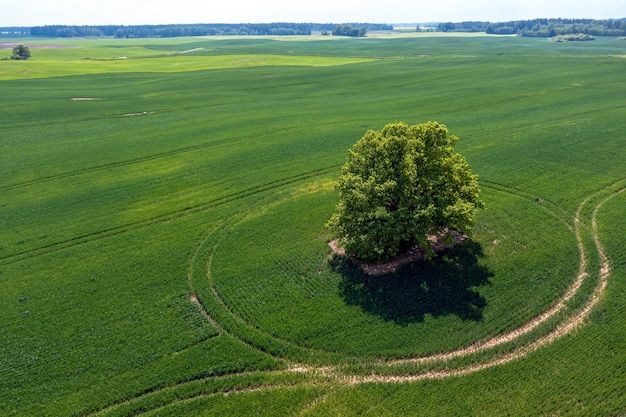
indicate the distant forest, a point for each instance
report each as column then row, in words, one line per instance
column 529, row 28
column 210, row 29
column 542, row 28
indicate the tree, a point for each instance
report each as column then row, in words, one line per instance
column 21, row 52
column 348, row 30
column 400, row 185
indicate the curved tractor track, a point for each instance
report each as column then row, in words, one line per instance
column 325, row 378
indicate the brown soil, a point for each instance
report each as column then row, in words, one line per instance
column 407, row 257
column 11, row 45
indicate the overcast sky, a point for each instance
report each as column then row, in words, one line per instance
column 131, row 12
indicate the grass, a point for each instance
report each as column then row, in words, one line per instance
column 210, row 172
column 166, row 64
column 286, row 289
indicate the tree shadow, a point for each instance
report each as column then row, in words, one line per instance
column 441, row 286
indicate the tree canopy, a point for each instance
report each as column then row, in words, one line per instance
column 400, row 185
column 21, row 52
column 541, row 28
column 349, row 30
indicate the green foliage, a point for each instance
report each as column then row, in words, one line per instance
column 573, row 38
column 21, row 52
column 177, row 30
column 349, row 30
column 553, row 27
column 542, row 27
column 400, row 185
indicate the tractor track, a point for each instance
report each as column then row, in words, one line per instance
column 161, row 218
column 153, row 157
column 332, row 376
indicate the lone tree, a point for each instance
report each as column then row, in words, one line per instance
column 21, row 52
column 400, row 185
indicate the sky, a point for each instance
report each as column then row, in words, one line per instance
column 138, row 12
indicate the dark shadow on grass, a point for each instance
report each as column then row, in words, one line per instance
column 441, row 286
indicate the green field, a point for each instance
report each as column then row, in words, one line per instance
column 163, row 249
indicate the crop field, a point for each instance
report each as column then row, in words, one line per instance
column 163, row 249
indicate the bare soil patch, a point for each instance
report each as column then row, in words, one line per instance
column 143, row 113
column 413, row 254
column 11, row 45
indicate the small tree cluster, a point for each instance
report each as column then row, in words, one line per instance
column 400, row 185
column 348, row 30
column 21, row 52
column 573, row 38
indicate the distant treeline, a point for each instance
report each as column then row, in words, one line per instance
column 543, row 28
column 529, row 28
column 209, row 29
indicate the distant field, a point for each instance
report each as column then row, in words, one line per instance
column 66, row 58
column 163, row 250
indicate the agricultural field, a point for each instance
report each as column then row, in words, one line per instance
column 163, row 249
